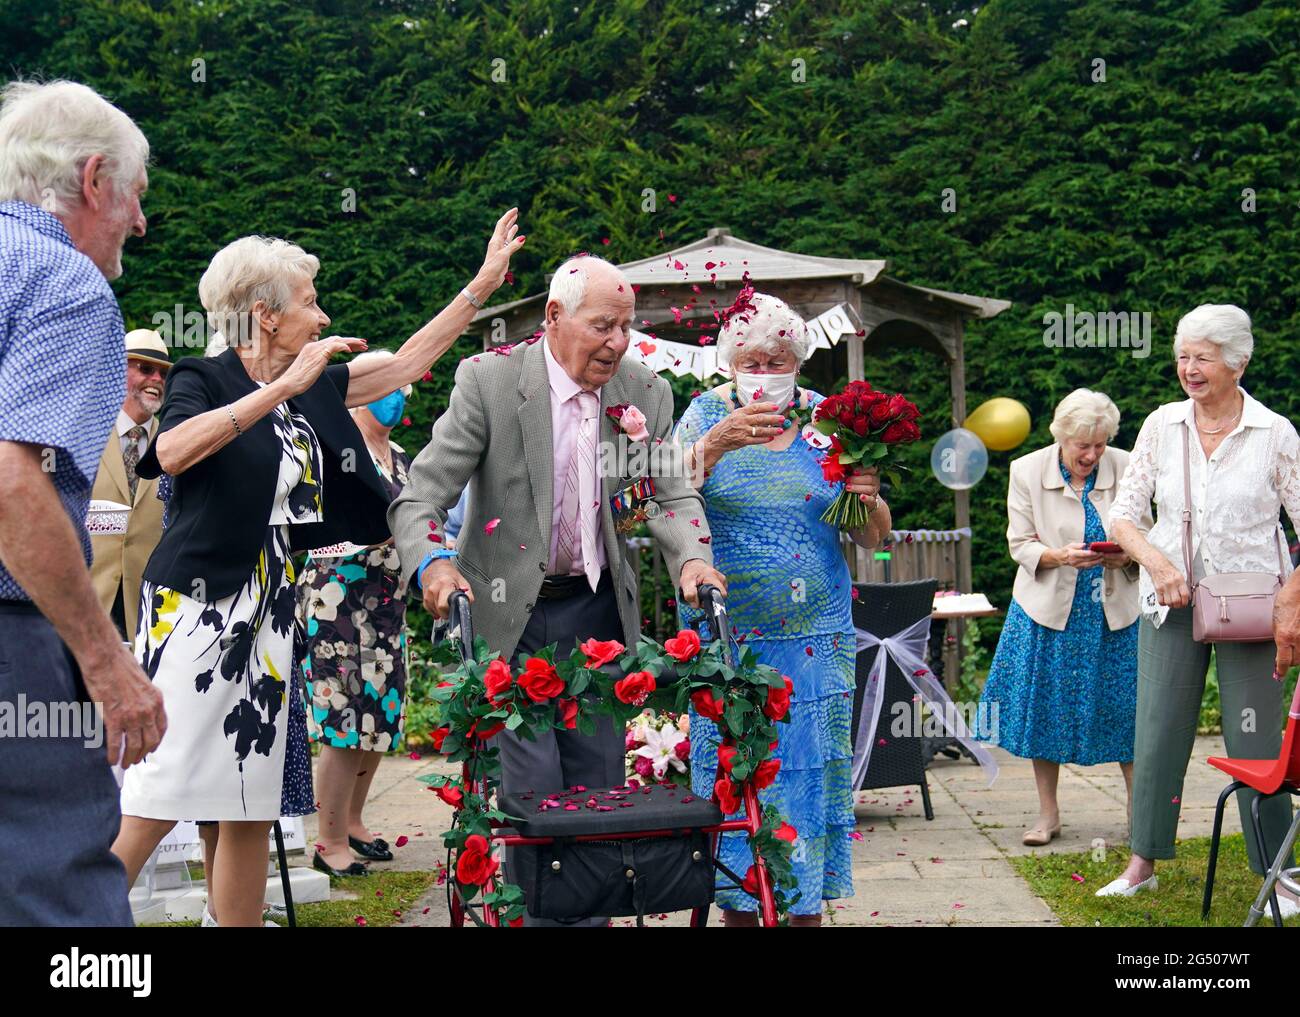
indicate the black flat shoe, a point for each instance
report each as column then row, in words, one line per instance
column 355, row 869
column 376, row 850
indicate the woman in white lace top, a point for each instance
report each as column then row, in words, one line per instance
column 1244, row 466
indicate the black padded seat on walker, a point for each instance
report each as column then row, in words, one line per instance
column 652, row 807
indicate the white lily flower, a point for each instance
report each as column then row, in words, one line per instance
column 659, row 749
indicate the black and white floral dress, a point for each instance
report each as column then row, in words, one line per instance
column 226, row 670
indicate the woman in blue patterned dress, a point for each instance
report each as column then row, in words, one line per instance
column 789, row 591
column 1063, row 684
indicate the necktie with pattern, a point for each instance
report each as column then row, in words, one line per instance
column 131, row 457
column 578, row 508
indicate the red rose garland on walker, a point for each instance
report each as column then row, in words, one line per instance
column 483, row 696
column 864, row 427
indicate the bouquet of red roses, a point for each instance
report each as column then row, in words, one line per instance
column 864, row 427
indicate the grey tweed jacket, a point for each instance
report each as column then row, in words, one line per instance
column 496, row 436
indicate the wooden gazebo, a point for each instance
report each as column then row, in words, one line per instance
column 680, row 292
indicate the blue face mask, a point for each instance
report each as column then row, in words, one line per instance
column 388, row 410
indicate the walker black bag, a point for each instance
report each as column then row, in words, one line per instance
column 568, row 880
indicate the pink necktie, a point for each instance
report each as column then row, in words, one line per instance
column 578, row 509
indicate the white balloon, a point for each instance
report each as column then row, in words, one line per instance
column 959, row 459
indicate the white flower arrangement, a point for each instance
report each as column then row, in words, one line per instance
column 659, row 747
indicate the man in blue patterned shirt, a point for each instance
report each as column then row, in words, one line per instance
column 72, row 169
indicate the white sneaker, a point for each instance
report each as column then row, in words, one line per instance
column 1122, row 887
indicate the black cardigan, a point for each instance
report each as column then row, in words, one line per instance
column 221, row 506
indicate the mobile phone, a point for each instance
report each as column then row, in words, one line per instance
column 1105, row 547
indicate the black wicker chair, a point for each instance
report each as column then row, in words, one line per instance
column 885, row 609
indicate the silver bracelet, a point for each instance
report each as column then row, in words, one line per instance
column 239, row 432
column 471, row 298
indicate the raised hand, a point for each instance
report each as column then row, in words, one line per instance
column 501, row 248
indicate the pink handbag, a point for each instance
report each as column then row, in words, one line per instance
column 1231, row 607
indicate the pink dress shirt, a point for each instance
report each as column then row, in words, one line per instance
column 566, row 416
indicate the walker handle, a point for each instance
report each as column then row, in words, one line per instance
column 714, row 604
column 458, row 617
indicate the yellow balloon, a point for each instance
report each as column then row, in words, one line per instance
column 1001, row 423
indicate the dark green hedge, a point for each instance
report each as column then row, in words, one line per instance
column 1121, row 194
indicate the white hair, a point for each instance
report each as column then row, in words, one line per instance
column 569, row 284
column 1225, row 325
column 767, row 325
column 248, row 270
column 1082, row 414
column 49, row 132
column 217, row 345
column 372, row 355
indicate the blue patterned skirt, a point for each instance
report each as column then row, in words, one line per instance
column 1068, row 696
column 814, row 788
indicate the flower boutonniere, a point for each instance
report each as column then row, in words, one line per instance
column 629, row 419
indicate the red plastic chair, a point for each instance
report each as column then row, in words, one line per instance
column 1269, row 777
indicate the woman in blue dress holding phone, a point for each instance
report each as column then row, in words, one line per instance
column 1063, row 684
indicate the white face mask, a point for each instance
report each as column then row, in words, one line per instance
column 774, row 388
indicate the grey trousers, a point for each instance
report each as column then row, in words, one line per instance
column 561, row 759
column 58, row 800
column 1171, row 680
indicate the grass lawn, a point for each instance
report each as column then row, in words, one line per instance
column 1177, row 901
column 379, row 899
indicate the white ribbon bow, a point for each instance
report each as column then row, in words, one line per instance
column 907, row 650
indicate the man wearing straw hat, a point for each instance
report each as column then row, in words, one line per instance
column 120, row 558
